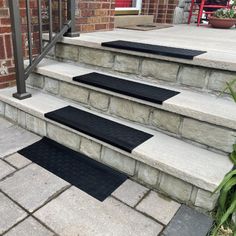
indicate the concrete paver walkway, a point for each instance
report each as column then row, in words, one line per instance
column 35, row 202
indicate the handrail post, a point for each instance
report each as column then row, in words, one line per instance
column 18, row 50
column 71, row 16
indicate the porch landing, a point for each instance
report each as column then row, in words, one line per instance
column 219, row 43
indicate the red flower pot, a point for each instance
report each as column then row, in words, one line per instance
column 223, row 23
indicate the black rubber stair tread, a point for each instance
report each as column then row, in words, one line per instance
column 154, row 49
column 125, row 87
column 118, row 135
column 79, row 170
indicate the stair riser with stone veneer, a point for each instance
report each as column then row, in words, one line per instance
column 208, row 135
column 152, row 177
column 196, row 75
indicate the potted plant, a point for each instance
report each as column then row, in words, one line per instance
column 224, row 18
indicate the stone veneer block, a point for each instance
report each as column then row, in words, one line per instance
column 11, row 113
column 68, row 52
column 175, row 187
column 36, row 80
column 206, row 200
column 159, row 207
column 208, row 134
column 218, row 79
column 118, row 161
column 2, row 108
column 129, row 110
column 130, row 192
column 147, row 174
column 63, row 136
column 188, row 222
column 90, row 148
column 76, row 213
column 5, row 169
column 10, row 213
column 166, row 120
column 74, row 92
column 29, row 227
column 21, row 119
column 160, row 70
column 127, row 64
column 193, row 76
column 51, row 85
column 17, row 160
column 36, row 125
column 96, row 57
column 99, row 101
column 32, row 186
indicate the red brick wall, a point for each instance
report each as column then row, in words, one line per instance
column 6, row 58
column 163, row 10
column 95, row 15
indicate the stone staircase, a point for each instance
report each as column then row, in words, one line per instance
column 193, row 132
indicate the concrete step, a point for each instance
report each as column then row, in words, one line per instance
column 194, row 117
column 207, row 73
column 178, row 169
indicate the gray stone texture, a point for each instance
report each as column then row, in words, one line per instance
column 11, row 113
column 159, row 207
column 17, row 160
column 206, row 200
column 76, row 213
column 208, row 134
column 69, row 52
column 90, row 148
column 99, row 101
column 2, row 108
column 127, row 64
column 51, row 85
column 10, row 213
column 130, row 192
column 188, row 222
column 118, row 161
column 36, row 125
column 96, row 57
column 160, row 70
column 175, row 187
column 36, row 80
column 63, row 136
column 178, row 15
column 193, row 76
column 129, row 110
column 15, row 138
column 21, row 119
column 29, row 227
column 218, row 79
column 147, row 174
column 5, row 169
column 74, row 92
column 159, row 119
column 32, row 186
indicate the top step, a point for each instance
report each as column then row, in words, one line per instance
column 154, row 49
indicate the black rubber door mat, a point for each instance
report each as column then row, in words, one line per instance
column 118, row 135
column 125, row 87
column 88, row 175
column 154, row 49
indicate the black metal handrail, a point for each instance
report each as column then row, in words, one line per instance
column 64, row 28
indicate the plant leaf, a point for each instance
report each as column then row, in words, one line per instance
column 225, row 180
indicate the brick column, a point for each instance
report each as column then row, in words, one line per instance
column 7, row 77
column 95, row 15
column 163, row 10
